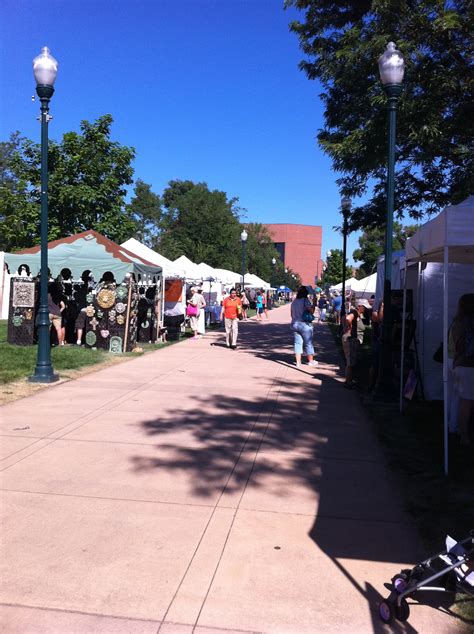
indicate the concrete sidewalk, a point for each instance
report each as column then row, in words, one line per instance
column 200, row 489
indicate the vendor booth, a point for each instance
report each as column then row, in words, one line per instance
column 103, row 285
column 439, row 266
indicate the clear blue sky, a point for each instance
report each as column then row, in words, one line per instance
column 206, row 90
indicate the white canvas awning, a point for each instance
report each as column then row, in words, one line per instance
column 452, row 228
column 169, row 268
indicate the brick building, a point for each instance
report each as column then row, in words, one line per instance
column 299, row 247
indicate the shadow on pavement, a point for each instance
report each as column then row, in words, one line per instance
column 304, row 432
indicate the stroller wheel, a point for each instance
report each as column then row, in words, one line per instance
column 386, row 611
column 400, row 583
column 403, row 612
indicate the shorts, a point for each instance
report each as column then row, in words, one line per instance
column 260, row 310
column 81, row 320
column 55, row 320
column 465, row 382
column 303, row 337
column 351, row 346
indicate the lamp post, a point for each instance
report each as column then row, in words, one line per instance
column 243, row 238
column 345, row 206
column 391, row 68
column 45, row 69
column 273, row 271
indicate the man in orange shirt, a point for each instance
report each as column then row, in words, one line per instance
column 231, row 309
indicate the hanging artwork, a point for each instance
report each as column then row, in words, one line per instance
column 106, row 298
column 115, row 345
column 23, row 294
column 28, row 314
column 120, row 308
column 17, row 320
column 120, row 320
column 91, row 338
column 90, row 311
column 94, row 323
column 104, row 333
column 89, row 298
column 121, row 292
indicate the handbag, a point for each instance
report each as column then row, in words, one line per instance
column 191, row 310
column 307, row 316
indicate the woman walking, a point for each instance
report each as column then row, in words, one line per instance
column 201, row 312
column 193, row 309
column 302, row 311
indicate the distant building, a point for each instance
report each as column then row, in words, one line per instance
column 299, row 247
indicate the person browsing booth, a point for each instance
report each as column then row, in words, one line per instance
column 231, row 313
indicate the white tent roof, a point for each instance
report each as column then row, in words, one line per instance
column 207, row 272
column 365, row 286
column 255, row 281
column 453, row 228
column 169, row 269
column 192, row 270
column 228, row 277
column 349, row 285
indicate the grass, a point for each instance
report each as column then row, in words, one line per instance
column 18, row 362
column 413, row 445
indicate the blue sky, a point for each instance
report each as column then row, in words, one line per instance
column 206, row 90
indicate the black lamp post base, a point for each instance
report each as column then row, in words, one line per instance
column 43, row 376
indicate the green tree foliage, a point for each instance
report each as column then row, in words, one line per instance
column 342, row 41
column 88, row 175
column 333, row 273
column 201, row 224
column 260, row 251
column 372, row 242
column 145, row 209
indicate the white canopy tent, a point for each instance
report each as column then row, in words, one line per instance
column 229, row 278
column 170, row 270
column 253, row 281
column 192, row 271
column 365, row 288
column 447, row 239
column 349, row 284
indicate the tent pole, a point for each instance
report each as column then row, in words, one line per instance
column 445, row 354
column 402, row 352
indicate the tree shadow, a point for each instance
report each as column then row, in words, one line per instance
column 299, row 432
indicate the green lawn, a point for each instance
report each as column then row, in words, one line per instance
column 413, row 447
column 18, row 362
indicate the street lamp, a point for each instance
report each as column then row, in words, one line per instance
column 243, row 238
column 45, row 69
column 273, row 270
column 391, row 68
column 346, row 207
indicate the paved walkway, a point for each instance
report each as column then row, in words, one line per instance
column 200, row 489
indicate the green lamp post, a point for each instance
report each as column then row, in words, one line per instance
column 243, row 238
column 392, row 69
column 45, row 69
column 346, row 207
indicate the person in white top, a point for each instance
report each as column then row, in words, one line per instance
column 302, row 311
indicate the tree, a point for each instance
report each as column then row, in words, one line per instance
column 342, row 40
column 88, row 175
column 260, row 251
column 372, row 242
column 201, row 224
column 145, row 209
column 333, row 272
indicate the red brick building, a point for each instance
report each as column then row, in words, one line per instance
column 299, row 247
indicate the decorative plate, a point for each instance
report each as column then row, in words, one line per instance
column 17, row 320
column 119, row 307
column 106, row 298
column 121, row 292
column 90, row 311
column 104, row 333
column 120, row 319
column 100, row 314
column 115, row 345
column 90, row 338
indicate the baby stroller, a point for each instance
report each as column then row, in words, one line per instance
column 454, row 567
